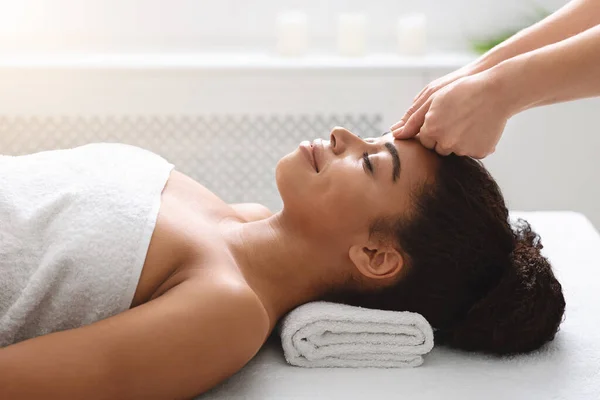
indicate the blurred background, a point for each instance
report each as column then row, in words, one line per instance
column 232, row 25
column 224, row 89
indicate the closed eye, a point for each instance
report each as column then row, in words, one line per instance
column 367, row 163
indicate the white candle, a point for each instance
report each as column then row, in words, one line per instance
column 292, row 33
column 412, row 34
column 352, row 30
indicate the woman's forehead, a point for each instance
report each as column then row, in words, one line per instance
column 416, row 159
column 412, row 148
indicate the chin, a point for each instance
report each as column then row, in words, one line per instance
column 282, row 170
column 291, row 178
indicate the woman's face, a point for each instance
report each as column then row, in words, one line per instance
column 341, row 185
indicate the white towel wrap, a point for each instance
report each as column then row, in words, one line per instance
column 75, row 226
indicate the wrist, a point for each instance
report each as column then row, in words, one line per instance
column 491, row 58
column 475, row 67
column 509, row 84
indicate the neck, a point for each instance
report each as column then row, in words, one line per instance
column 285, row 266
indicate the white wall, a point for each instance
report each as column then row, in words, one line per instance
column 183, row 25
column 548, row 159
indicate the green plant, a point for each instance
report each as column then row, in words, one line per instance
column 481, row 46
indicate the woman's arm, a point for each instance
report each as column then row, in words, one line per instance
column 176, row 346
column 468, row 116
column 560, row 72
column 573, row 18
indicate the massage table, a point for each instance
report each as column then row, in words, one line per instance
column 566, row 368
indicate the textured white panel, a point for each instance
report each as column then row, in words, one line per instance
column 232, row 155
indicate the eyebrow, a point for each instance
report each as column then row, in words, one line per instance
column 395, row 159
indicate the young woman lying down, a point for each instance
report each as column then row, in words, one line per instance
column 124, row 278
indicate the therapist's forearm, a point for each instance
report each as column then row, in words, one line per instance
column 573, row 18
column 564, row 71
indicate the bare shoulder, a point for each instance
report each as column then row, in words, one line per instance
column 231, row 298
column 221, row 325
column 242, row 323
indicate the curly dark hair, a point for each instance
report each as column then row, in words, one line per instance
column 481, row 283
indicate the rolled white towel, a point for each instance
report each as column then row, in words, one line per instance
column 324, row 334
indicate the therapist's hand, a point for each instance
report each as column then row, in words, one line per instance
column 465, row 116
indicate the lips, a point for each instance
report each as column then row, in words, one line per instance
column 307, row 149
column 314, row 152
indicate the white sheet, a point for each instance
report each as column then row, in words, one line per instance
column 567, row 368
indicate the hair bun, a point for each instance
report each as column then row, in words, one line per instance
column 522, row 312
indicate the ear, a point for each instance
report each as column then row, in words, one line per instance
column 376, row 261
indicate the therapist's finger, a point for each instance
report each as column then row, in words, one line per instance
column 427, row 141
column 432, row 140
column 397, row 125
column 418, row 96
column 409, row 113
column 419, row 101
column 414, row 123
column 441, row 150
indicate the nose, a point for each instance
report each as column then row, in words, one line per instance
column 342, row 139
